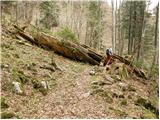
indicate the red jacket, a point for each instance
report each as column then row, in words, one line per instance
column 108, row 60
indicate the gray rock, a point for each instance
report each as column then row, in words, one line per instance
column 92, row 72
column 45, row 85
column 17, row 87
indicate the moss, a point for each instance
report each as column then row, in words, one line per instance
column 16, row 55
column 3, row 103
column 6, row 115
column 148, row 115
column 124, row 102
column 105, row 94
column 119, row 112
column 147, row 104
column 19, row 76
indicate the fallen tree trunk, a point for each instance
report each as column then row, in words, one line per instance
column 74, row 51
column 66, row 48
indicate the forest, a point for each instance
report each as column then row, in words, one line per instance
column 84, row 59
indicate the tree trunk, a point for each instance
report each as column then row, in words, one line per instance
column 120, row 50
column 139, row 54
column 156, row 36
column 113, row 26
column 130, row 34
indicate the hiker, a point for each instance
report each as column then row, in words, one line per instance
column 108, row 59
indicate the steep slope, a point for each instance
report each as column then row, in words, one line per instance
column 75, row 92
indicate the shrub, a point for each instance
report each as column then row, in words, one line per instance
column 67, row 34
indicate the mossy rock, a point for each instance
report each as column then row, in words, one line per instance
column 147, row 104
column 148, row 115
column 36, row 84
column 31, row 66
column 43, row 91
column 4, row 104
column 116, row 77
column 7, row 115
column 106, row 95
column 124, row 102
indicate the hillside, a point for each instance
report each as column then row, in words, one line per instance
column 75, row 91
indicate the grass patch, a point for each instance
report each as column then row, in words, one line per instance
column 19, row 76
column 3, row 103
column 7, row 115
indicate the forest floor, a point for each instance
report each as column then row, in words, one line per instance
column 73, row 93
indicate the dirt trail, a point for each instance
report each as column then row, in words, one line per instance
column 71, row 100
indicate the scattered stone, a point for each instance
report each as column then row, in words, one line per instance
column 117, row 94
column 101, row 64
column 108, row 78
column 92, row 72
column 123, row 86
column 45, row 84
column 85, row 95
column 7, row 115
column 17, row 87
column 116, row 77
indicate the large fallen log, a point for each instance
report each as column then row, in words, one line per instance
column 66, row 48
column 74, row 51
